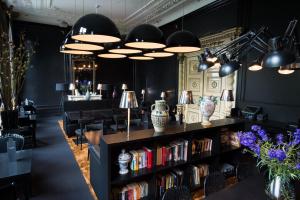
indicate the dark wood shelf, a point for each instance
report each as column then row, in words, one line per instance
column 229, row 148
column 131, row 176
column 170, row 165
column 104, row 177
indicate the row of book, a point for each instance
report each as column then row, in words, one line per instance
column 199, row 172
column 230, row 139
column 170, row 180
column 202, row 145
column 141, row 159
column 175, row 151
column 134, row 191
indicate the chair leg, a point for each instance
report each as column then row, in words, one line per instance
column 81, row 143
column 88, row 157
column 77, row 140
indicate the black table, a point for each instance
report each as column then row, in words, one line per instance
column 18, row 171
column 249, row 189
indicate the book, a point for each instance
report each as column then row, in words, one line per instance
column 159, row 156
column 149, row 157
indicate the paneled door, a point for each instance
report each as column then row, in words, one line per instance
column 207, row 83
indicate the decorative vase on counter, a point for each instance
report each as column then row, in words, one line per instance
column 124, row 159
column 207, row 108
column 87, row 95
column 276, row 186
column 159, row 115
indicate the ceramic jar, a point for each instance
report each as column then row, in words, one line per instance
column 207, row 108
column 124, row 159
column 159, row 115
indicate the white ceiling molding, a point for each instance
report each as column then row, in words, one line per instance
column 125, row 13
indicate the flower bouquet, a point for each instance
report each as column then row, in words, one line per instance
column 280, row 157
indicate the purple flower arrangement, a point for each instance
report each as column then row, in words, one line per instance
column 281, row 156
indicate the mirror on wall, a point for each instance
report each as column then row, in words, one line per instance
column 84, row 73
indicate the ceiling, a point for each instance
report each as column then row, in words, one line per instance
column 125, row 13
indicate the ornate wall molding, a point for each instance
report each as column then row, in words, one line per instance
column 208, row 83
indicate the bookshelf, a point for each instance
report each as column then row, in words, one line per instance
column 105, row 178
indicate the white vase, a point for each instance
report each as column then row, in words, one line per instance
column 159, row 115
column 207, row 109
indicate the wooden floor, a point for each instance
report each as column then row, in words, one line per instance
column 80, row 157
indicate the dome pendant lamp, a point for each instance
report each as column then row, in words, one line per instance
column 72, row 51
column 158, row 54
column 145, row 36
column 78, row 45
column 277, row 55
column 95, row 28
column 119, row 48
column 182, row 42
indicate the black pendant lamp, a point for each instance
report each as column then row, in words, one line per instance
column 120, row 48
column 182, row 42
column 277, row 56
column 78, row 45
column 145, row 36
column 227, row 66
column 95, row 28
column 158, row 54
column 203, row 63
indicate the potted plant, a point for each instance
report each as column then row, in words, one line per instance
column 14, row 62
column 280, row 159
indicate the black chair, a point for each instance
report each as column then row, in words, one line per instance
column 177, row 193
column 119, row 120
column 214, row 182
column 16, row 137
column 80, row 132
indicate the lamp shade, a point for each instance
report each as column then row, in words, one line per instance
column 145, row 36
column 78, row 45
column 203, row 63
column 186, row 97
column 95, row 28
column 163, row 95
column 124, row 86
column 159, row 54
column 182, row 42
column 277, row 56
column 143, row 91
column 99, row 86
column 73, row 51
column 227, row 95
column 285, row 70
column 128, row 100
column 227, row 67
column 71, row 86
column 255, row 66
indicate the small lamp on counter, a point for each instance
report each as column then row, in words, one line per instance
column 143, row 94
column 163, row 95
column 72, row 88
column 185, row 99
column 99, row 87
column 227, row 96
column 124, row 87
column 128, row 100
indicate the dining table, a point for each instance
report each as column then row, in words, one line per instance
column 18, row 170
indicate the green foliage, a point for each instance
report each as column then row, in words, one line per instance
column 14, row 62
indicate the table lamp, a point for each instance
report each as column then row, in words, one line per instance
column 143, row 94
column 227, row 96
column 72, row 88
column 163, row 95
column 99, row 87
column 128, row 100
column 185, row 99
column 124, row 87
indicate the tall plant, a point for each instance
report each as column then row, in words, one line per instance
column 14, row 62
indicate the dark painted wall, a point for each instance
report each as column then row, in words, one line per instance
column 156, row 76
column 47, row 66
column 277, row 94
